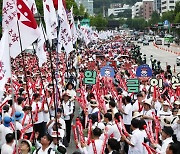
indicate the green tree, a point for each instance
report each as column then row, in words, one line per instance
column 99, row 22
column 136, row 23
column 169, row 15
column 155, row 18
column 177, row 18
column 177, row 8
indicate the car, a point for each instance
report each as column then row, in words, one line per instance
column 145, row 42
column 158, row 42
column 139, row 41
column 178, row 61
column 151, row 39
column 167, row 43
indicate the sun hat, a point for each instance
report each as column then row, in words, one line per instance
column 148, row 101
column 166, row 103
column 177, row 102
column 136, row 115
column 28, row 143
column 93, row 102
column 6, row 121
column 18, row 115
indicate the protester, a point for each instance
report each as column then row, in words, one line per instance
column 8, row 147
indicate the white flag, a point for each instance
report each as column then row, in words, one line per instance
column 18, row 12
column 32, row 6
column 64, row 37
column 50, row 19
column 5, row 70
column 41, row 49
column 73, row 27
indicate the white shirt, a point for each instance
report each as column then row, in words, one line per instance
column 18, row 125
column 128, row 116
column 176, row 128
column 68, row 109
column 46, row 115
column 45, row 151
column 40, row 114
column 147, row 113
column 89, row 149
column 115, row 131
column 7, row 149
column 26, row 122
column 165, row 143
column 3, row 131
column 61, row 121
column 18, row 108
column 136, row 107
column 136, row 140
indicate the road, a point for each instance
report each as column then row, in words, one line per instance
column 161, row 55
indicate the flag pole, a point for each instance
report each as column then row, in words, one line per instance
column 23, row 54
column 42, row 81
column 52, row 77
column 12, row 94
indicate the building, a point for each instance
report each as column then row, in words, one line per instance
column 115, row 5
column 148, row 8
column 168, row 5
column 116, row 11
column 88, row 4
column 137, row 9
column 157, row 6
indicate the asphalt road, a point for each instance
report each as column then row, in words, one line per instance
column 161, row 55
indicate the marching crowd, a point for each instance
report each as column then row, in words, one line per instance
column 40, row 117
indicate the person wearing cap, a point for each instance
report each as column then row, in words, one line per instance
column 147, row 112
column 25, row 146
column 8, row 147
column 93, row 107
column 177, row 104
column 67, row 107
column 165, row 110
column 18, row 116
column 176, row 127
column 166, row 136
column 55, row 145
column 5, row 129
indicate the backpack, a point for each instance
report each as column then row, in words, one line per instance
column 49, row 150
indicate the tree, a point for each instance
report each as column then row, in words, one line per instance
column 99, row 22
column 125, row 14
column 169, row 15
column 177, row 18
column 177, row 8
column 155, row 18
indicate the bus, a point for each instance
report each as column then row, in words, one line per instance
column 168, row 38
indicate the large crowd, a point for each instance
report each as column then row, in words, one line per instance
column 52, row 105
